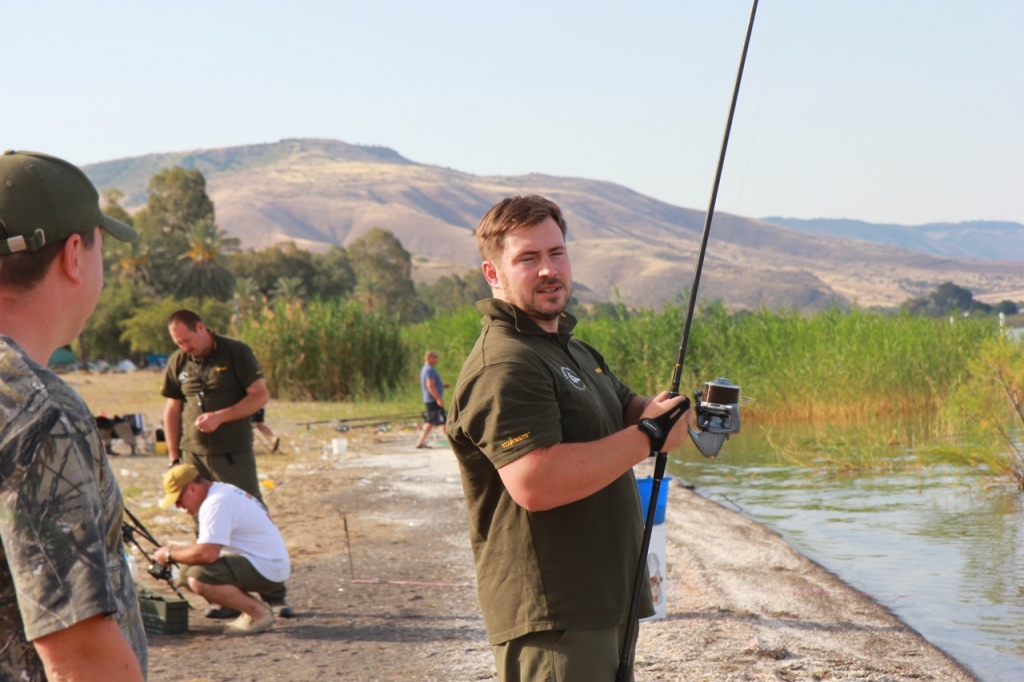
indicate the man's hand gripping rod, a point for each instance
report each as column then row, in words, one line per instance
column 717, row 421
column 129, row 531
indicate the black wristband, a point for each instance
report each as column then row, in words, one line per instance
column 658, row 428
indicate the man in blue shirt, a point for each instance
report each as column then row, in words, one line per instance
column 433, row 397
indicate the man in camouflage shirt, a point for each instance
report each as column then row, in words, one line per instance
column 68, row 607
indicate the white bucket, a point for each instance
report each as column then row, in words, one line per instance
column 658, row 570
column 339, row 445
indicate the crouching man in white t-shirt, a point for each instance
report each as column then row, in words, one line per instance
column 239, row 549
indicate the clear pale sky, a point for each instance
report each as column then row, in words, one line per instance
column 904, row 111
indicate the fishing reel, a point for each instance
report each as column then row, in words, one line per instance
column 160, row 572
column 716, row 412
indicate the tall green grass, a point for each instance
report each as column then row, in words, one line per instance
column 328, row 351
column 833, row 365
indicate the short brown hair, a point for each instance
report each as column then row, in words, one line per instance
column 26, row 269
column 186, row 317
column 510, row 214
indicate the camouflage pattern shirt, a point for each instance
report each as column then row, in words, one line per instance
column 62, row 559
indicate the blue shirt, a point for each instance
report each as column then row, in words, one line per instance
column 430, row 372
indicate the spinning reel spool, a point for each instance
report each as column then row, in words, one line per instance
column 717, row 416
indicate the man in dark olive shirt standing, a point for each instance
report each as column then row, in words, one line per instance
column 546, row 440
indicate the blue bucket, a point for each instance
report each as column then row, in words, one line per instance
column 644, row 486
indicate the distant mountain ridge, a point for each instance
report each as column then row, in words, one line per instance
column 976, row 239
column 322, row 192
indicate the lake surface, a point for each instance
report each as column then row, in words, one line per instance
column 940, row 547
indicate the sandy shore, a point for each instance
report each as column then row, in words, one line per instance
column 393, row 598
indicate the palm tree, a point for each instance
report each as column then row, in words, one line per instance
column 247, row 296
column 134, row 262
column 203, row 268
column 289, row 290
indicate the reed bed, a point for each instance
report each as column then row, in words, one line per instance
column 328, row 351
column 834, row 366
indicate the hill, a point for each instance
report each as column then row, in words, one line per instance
column 977, row 240
column 323, row 192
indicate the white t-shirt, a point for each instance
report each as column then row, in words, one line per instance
column 234, row 519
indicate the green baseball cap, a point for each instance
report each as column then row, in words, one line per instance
column 44, row 199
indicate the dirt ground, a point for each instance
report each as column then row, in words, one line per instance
column 393, row 598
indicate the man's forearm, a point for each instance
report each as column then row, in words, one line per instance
column 550, row 477
column 172, row 429
column 255, row 397
column 246, row 407
column 191, row 555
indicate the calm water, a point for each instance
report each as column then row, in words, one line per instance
column 945, row 554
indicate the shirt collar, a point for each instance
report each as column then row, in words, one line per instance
column 499, row 311
column 213, row 350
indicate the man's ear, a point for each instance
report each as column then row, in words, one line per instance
column 491, row 274
column 70, row 258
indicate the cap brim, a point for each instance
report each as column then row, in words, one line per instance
column 119, row 230
column 170, row 499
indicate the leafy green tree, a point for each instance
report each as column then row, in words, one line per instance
column 948, row 298
column 383, row 275
column 266, row 266
column 248, row 297
column 177, row 199
column 335, row 277
column 289, row 290
column 451, row 292
column 1006, row 308
column 203, row 269
column 146, row 330
column 102, row 333
column 112, row 206
column 327, row 275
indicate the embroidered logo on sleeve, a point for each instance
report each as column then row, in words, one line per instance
column 512, row 441
column 573, row 379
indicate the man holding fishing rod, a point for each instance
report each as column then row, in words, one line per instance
column 546, row 437
column 68, row 608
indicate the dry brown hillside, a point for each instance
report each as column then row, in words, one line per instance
column 323, row 192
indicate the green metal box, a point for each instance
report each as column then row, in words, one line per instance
column 163, row 616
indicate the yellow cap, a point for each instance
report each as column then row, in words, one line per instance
column 175, row 481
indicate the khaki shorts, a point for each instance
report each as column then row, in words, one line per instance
column 232, row 569
column 561, row 656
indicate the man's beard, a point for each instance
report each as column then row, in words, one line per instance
column 551, row 313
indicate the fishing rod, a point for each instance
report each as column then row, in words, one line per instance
column 158, row 571
column 716, row 408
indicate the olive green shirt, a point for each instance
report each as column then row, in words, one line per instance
column 62, row 559
column 572, row 567
column 208, row 384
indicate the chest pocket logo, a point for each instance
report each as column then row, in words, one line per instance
column 183, row 377
column 574, row 380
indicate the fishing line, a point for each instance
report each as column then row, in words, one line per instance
column 757, row 115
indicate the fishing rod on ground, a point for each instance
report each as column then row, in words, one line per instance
column 716, row 408
column 129, row 531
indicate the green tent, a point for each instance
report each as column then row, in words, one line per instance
column 62, row 356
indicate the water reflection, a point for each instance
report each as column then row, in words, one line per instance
column 936, row 545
